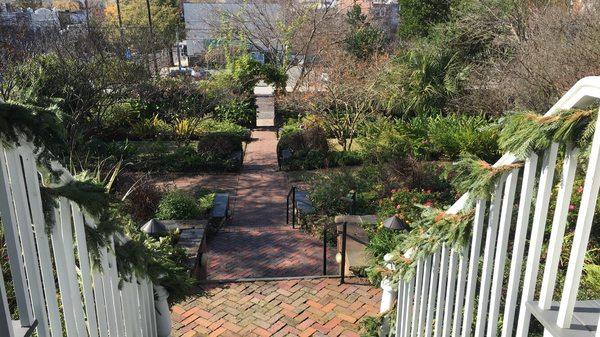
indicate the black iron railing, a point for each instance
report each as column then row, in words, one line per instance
column 291, row 195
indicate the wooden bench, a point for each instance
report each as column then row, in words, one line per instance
column 303, row 204
column 218, row 213
column 192, row 238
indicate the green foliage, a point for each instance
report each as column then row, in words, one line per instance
column 433, row 229
column 591, row 278
column 329, row 189
column 404, row 202
column 371, row 326
column 212, row 125
column 363, row 40
column 205, row 202
column 291, row 126
column 429, row 138
column 417, row 16
column 429, row 80
column 384, row 140
column 158, row 259
column 526, row 132
column 39, row 126
column 173, row 98
column 178, row 205
column 477, row 177
column 82, row 88
column 241, row 111
column 452, row 135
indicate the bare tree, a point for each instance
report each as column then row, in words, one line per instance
column 291, row 34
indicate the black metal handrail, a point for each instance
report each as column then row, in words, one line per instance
column 292, row 194
column 343, row 252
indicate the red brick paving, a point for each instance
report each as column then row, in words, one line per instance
column 257, row 242
column 317, row 307
column 270, row 252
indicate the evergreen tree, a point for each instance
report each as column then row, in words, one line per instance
column 363, row 39
column 417, row 16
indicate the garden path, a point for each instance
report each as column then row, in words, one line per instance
column 316, row 307
column 256, row 242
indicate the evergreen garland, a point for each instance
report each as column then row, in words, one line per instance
column 39, row 126
column 435, row 228
column 476, row 176
column 526, row 132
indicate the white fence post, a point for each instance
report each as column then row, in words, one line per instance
column 389, row 293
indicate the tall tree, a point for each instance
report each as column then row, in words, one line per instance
column 363, row 39
column 417, row 16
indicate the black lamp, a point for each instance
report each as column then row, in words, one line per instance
column 154, row 227
column 395, row 223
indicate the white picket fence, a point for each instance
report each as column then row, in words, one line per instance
column 88, row 302
column 467, row 293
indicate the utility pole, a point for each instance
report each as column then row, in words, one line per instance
column 121, row 32
column 87, row 16
column 152, row 36
column 178, row 48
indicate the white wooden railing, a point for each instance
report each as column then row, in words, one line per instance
column 478, row 291
column 88, row 302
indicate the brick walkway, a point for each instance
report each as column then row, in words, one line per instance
column 256, row 242
column 318, row 307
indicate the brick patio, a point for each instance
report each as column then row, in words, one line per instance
column 317, row 307
column 256, row 241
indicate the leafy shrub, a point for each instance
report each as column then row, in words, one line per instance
column 384, row 140
column 417, row 16
column 142, row 202
column 241, row 111
column 178, row 205
column 212, row 125
column 452, row 135
column 206, row 202
column 219, row 143
column 290, row 126
column 402, row 203
column 328, row 190
column 430, row 138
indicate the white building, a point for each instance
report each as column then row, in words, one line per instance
column 204, row 19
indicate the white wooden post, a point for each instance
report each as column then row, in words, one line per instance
column 24, row 222
column 42, row 240
column 441, row 297
column 13, row 245
column 516, row 264
column 559, row 223
column 582, row 233
column 389, row 289
column 5, row 320
column 488, row 258
column 501, row 248
column 433, row 284
column 537, row 236
column 418, row 299
column 473, row 268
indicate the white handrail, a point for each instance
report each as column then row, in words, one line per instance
column 451, row 290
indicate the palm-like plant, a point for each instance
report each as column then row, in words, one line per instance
column 431, row 78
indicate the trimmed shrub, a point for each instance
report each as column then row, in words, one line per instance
column 219, row 143
column 178, row 205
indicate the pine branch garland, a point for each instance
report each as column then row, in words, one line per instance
column 524, row 133
column 476, row 176
column 39, row 126
column 435, row 228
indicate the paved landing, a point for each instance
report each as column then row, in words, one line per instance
column 256, row 242
column 265, row 100
column 319, row 307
